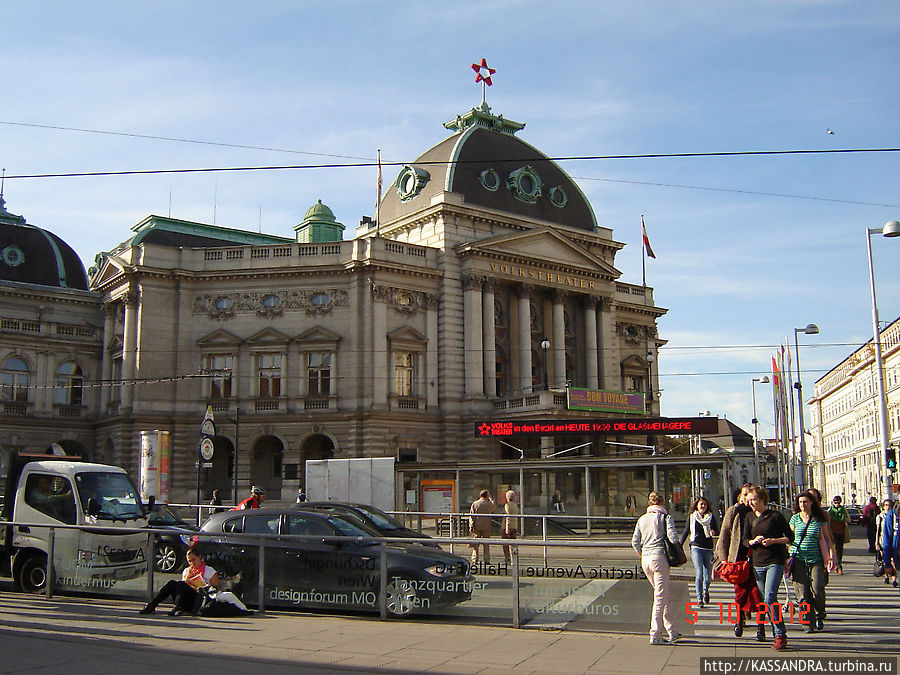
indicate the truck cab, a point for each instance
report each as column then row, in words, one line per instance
column 44, row 492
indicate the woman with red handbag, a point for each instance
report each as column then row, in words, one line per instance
column 733, row 554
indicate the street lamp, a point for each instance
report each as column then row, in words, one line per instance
column 890, row 229
column 762, row 380
column 545, row 345
column 810, row 329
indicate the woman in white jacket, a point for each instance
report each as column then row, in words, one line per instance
column 649, row 540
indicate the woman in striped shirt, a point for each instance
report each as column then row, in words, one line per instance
column 808, row 573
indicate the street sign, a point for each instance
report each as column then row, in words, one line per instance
column 207, row 448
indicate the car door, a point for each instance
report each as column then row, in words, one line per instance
column 312, row 567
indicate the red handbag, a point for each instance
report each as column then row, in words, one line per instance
column 734, row 572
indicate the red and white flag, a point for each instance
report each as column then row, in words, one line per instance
column 646, row 240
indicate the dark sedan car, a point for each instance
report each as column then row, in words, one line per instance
column 306, row 566
column 370, row 516
column 171, row 545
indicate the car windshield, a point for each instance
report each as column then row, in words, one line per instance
column 380, row 518
column 114, row 492
column 163, row 515
column 348, row 529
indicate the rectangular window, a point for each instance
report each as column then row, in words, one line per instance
column 404, row 373
column 221, row 369
column 269, row 369
column 318, row 373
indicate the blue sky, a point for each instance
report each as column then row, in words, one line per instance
column 587, row 77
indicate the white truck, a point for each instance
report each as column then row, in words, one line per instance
column 44, row 490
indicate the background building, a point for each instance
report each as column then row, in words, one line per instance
column 485, row 289
column 844, row 420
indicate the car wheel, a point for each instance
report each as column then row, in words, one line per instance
column 166, row 558
column 400, row 596
column 32, row 576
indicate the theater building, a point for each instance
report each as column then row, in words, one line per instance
column 485, row 290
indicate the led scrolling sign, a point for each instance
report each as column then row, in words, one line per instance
column 646, row 425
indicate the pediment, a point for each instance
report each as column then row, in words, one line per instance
column 406, row 334
column 635, row 362
column 541, row 246
column 219, row 338
column 317, row 335
column 109, row 271
column 268, row 336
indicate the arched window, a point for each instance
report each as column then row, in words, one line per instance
column 15, row 379
column 69, row 384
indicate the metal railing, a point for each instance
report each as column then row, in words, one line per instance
column 260, row 542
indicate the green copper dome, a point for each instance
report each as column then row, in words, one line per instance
column 319, row 225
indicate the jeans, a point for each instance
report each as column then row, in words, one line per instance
column 768, row 578
column 702, row 559
column 656, row 567
column 809, row 585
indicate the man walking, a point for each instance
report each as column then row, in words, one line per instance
column 480, row 524
column 870, row 514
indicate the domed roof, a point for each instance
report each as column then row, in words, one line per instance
column 319, row 212
column 29, row 254
column 492, row 168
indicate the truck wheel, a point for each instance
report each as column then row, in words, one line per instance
column 166, row 558
column 400, row 596
column 32, row 575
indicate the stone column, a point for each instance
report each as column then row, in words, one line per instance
column 609, row 370
column 129, row 349
column 110, row 311
column 523, row 338
column 590, row 342
column 472, row 336
column 558, row 341
column 382, row 358
column 431, row 352
column 488, row 339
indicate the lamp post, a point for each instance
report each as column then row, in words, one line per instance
column 762, row 380
column 545, row 345
column 810, row 329
column 651, row 357
column 890, row 229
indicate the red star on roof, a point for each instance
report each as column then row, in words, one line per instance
column 484, row 72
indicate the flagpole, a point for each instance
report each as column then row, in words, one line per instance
column 643, row 256
column 378, row 199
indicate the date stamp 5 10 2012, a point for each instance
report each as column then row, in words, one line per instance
column 764, row 613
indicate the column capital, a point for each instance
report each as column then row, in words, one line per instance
column 524, row 291
column 471, row 281
column 558, row 295
column 490, row 284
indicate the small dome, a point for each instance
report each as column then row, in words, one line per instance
column 319, row 212
column 31, row 255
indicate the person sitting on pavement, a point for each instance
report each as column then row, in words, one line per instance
column 185, row 591
column 254, row 501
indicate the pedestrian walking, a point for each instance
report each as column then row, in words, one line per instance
column 769, row 534
column 510, row 522
column 649, row 540
column 732, row 547
column 869, row 514
column 301, row 495
column 840, row 531
column 812, row 555
column 700, row 528
column 557, row 502
column 480, row 524
column 889, row 540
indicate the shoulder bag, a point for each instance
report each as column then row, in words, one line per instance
column 789, row 565
column 674, row 551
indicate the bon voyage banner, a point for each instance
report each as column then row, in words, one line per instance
column 601, row 400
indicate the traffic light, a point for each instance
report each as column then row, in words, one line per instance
column 890, row 458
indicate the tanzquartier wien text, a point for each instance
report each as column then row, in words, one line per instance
column 539, row 275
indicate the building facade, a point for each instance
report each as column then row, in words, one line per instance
column 484, row 289
column 844, row 420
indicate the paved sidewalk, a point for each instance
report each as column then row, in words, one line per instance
column 81, row 635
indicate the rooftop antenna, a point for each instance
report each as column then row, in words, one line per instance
column 259, row 226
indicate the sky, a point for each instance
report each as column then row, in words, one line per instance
column 748, row 247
